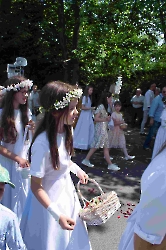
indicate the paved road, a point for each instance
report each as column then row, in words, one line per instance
column 125, row 182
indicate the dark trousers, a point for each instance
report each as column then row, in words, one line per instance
column 152, row 131
column 137, row 113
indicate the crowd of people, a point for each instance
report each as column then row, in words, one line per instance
column 39, row 204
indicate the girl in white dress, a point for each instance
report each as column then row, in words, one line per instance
column 161, row 135
column 116, row 134
column 14, row 116
column 50, row 220
column 84, row 130
column 146, row 227
column 101, row 132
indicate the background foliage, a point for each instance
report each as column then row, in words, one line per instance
column 82, row 41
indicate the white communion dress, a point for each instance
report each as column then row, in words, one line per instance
column 148, row 219
column 84, row 130
column 161, row 135
column 14, row 198
column 39, row 229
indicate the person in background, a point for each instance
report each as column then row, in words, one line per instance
column 137, row 104
column 10, row 235
column 34, row 102
column 157, row 92
column 116, row 134
column 84, row 130
column 110, row 105
column 1, row 95
column 14, row 116
column 155, row 114
column 100, row 140
column 149, row 96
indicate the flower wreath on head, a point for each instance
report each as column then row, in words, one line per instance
column 76, row 93
column 16, row 87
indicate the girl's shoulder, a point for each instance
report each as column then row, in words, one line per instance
column 84, row 100
column 42, row 139
column 99, row 108
column 113, row 114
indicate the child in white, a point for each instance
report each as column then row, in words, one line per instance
column 101, row 132
column 10, row 235
column 84, row 130
column 161, row 135
column 116, row 134
column 50, row 220
column 14, row 116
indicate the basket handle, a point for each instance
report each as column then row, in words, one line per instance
column 80, row 194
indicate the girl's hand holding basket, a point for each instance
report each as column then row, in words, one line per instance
column 82, row 176
column 100, row 208
column 66, row 222
column 123, row 126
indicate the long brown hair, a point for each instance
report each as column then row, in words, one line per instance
column 86, row 92
column 50, row 93
column 7, row 119
column 103, row 99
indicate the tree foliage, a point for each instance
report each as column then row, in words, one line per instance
column 86, row 41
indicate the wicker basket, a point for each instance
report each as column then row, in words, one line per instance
column 100, row 208
column 123, row 126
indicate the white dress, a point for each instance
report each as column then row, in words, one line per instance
column 161, row 135
column 84, row 130
column 148, row 219
column 38, row 227
column 14, row 198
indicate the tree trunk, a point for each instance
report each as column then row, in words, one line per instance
column 162, row 18
column 76, row 8
column 62, row 38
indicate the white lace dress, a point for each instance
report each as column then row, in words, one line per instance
column 14, row 198
column 38, row 227
column 101, row 130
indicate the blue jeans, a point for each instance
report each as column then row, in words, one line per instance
column 152, row 131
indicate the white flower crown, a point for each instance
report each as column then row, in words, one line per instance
column 76, row 93
column 15, row 87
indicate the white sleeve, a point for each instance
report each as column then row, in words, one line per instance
column 132, row 98
column 151, row 218
column 39, row 156
column 113, row 115
column 74, row 168
column 148, row 98
column 84, row 100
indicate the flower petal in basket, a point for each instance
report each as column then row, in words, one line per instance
column 100, row 208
